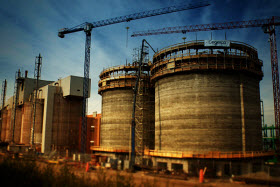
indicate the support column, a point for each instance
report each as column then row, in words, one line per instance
column 47, row 119
column 169, row 165
column 186, row 166
column 154, row 162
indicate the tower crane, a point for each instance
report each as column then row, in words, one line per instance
column 268, row 26
column 87, row 28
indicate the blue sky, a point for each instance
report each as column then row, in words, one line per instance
column 30, row 27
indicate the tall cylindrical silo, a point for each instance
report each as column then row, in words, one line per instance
column 207, row 97
column 116, row 88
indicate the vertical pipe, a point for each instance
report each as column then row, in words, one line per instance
column 242, row 118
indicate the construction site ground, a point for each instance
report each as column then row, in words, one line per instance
column 143, row 178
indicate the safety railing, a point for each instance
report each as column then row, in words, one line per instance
column 211, row 154
column 204, row 54
column 110, row 149
column 197, row 42
column 120, row 67
column 204, row 66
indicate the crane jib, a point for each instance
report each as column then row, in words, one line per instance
column 214, row 26
column 135, row 16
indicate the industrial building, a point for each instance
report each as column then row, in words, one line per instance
column 57, row 117
column 206, row 106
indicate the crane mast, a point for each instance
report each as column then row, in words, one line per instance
column 87, row 28
column 268, row 26
column 3, row 98
column 37, row 76
column 4, row 90
column 270, row 29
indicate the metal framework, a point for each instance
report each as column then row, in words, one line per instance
column 269, row 137
column 3, row 99
column 139, row 128
column 139, row 107
column 37, row 76
column 87, row 27
column 269, row 27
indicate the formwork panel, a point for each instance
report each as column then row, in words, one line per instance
column 26, row 123
column 66, row 119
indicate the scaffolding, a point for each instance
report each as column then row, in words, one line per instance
column 143, row 115
column 37, row 76
column 3, row 98
column 18, row 80
column 268, row 133
column 269, row 137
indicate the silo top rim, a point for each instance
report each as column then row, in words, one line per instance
column 129, row 67
column 193, row 43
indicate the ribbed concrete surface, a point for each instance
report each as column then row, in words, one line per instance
column 202, row 112
column 252, row 114
column 116, row 118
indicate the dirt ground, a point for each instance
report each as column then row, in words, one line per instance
column 142, row 178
